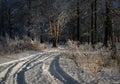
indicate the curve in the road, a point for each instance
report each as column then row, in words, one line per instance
column 16, row 66
column 58, row 73
column 21, row 74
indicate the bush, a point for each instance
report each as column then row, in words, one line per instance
column 92, row 60
column 9, row 46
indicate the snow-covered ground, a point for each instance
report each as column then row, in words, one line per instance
column 108, row 75
column 34, row 68
column 48, row 67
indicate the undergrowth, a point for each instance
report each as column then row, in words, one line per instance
column 89, row 59
column 10, row 46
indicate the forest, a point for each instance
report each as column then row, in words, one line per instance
column 58, row 21
column 87, row 30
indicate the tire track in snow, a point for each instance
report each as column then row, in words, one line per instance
column 9, row 79
column 38, row 60
column 58, row 73
column 34, row 62
column 8, row 76
column 45, row 69
column 16, row 73
column 5, row 74
column 18, row 60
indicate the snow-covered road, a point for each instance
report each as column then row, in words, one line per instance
column 40, row 68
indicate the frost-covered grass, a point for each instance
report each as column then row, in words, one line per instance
column 91, row 59
column 11, row 46
column 62, row 65
column 94, row 65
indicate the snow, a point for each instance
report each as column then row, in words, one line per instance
column 49, row 67
column 24, row 66
column 108, row 75
column 4, row 59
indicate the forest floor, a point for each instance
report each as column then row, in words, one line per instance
column 49, row 67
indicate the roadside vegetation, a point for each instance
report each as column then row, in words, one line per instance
column 9, row 46
column 91, row 59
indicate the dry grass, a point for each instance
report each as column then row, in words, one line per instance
column 10, row 46
column 91, row 60
column 36, row 47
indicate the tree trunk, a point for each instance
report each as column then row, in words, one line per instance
column 109, row 29
column 29, row 20
column 41, row 39
column 54, row 42
column 78, row 21
column 55, row 34
column 95, row 9
column 10, row 24
column 94, row 23
column 54, row 30
column 2, row 20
